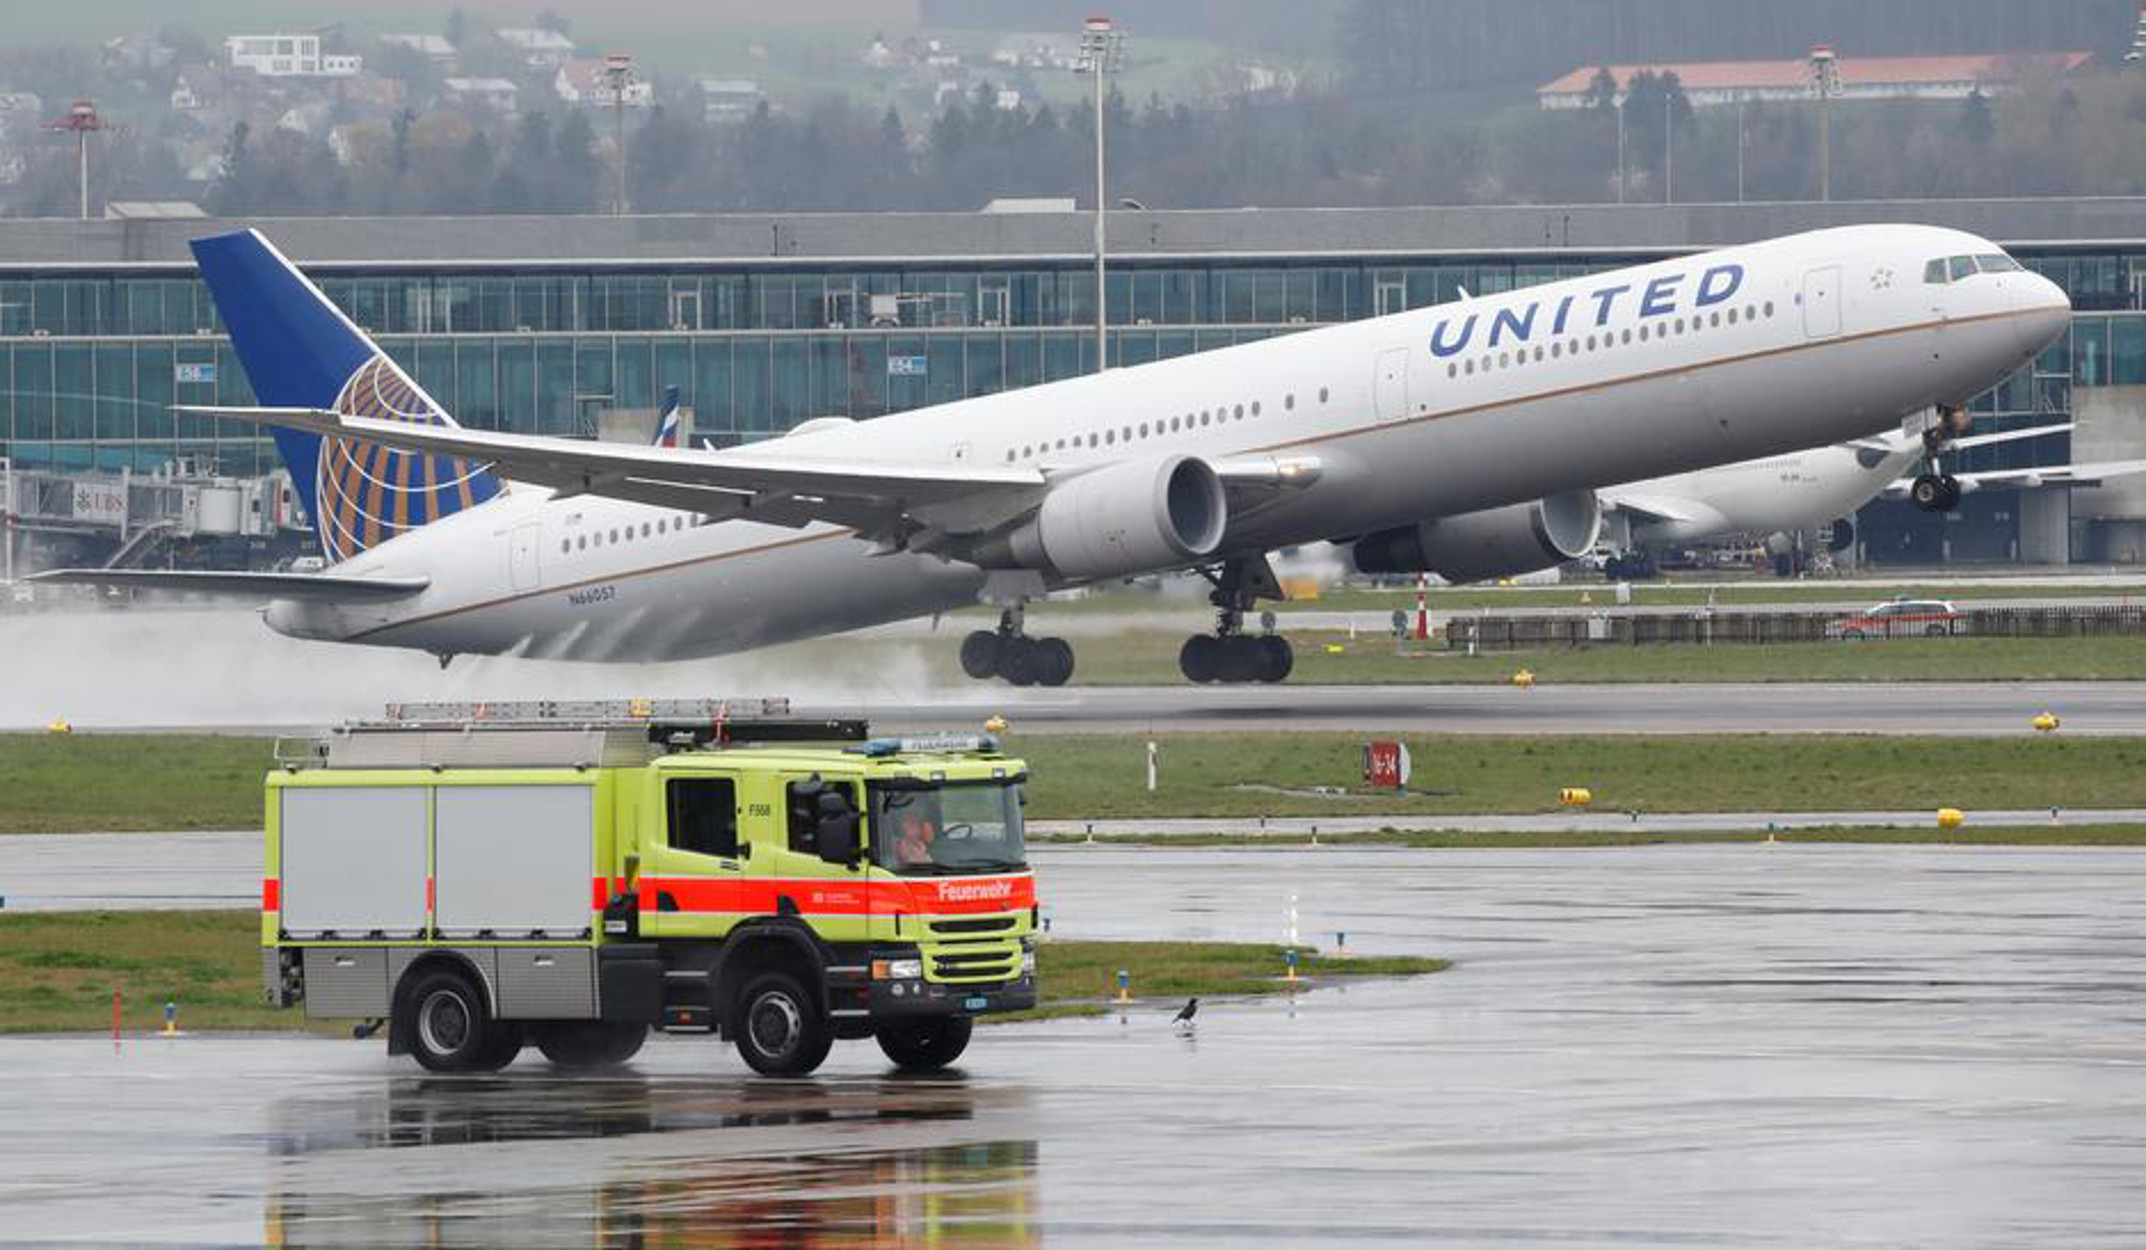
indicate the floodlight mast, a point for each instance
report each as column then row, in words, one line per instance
column 618, row 75
column 1825, row 76
column 1101, row 46
column 84, row 120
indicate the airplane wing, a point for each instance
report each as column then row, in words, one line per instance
column 878, row 499
column 252, row 587
column 1648, row 507
column 2055, row 474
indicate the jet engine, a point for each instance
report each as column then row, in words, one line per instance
column 1497, row 542
column 1133, row 517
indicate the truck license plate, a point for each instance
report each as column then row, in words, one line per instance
column 975, row 1003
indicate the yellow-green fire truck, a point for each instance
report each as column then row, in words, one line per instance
column 570, row 875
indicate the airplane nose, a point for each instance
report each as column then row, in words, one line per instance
column 2045, row 311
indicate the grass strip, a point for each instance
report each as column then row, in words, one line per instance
column 58, row 971
column 115, row 782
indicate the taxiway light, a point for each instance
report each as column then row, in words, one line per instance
column 1575, row 796
column 1950, row 818
column 1524, row 679
column 2046, row 723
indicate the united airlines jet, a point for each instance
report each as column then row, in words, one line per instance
column 1470, row 435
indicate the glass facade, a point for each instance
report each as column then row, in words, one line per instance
column 91, row 363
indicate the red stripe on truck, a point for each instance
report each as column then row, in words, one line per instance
column 271, row 894
column 812, row 897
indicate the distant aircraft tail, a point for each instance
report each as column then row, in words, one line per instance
column 667, row 419
column 300, row 351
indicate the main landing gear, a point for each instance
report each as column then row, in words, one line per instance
column 1935, row 490
column 1009, row 653
column 1229, row 654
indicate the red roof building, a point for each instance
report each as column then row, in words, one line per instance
column 1861, row 78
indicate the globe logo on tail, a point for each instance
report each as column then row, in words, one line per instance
column 367, row 493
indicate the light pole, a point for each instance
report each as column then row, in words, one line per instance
column 1825, row 75
column 1620, row 149
column 83, row 120
column 1101, row 45
column 1739, row 149
column 1669, row 150
column 618, row 75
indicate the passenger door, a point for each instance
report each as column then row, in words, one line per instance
column 1389, row 384
column 693, row 881
column 523, row 571
column 1821, row 303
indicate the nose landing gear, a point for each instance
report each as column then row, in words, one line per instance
column 1229, row 654
column 1009, row 653
column 1935, row 490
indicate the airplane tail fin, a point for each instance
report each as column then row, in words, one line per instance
column 667, row 419
column 299, row 350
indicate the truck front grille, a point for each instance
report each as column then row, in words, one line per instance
column 993, row 961
column 983, row 924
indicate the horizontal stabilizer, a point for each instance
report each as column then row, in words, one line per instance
column 252, row 587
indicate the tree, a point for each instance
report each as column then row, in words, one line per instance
column 577, row 175
column 1978, row 125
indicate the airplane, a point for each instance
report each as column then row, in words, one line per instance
column 1472, row 433
column 1806, row 490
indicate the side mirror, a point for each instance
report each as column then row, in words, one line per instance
column 633, row 870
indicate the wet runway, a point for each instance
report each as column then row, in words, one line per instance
column 1747, row 1045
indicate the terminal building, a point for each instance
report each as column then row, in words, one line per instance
column 577, row 325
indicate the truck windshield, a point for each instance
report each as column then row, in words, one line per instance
column 958, row 827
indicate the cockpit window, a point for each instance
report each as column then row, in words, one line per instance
column 1934, row 272
column 1999, row 263
column 1961, row 267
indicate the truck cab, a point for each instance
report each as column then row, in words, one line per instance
column 781, row 883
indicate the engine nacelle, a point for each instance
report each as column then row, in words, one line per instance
column 1497, row 542
column 1134, row 517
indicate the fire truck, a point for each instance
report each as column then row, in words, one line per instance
column 571, row 875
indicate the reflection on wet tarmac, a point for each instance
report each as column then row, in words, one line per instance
column 964, row 1193
column 1770, row 1046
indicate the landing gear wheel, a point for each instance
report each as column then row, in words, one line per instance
column 926, row 1045
column 1928, row 492
column 1017, row 661
column 980, row 654
column 780, row 1029
column 1200, row 659
column 1276, row 658
column 449, row 1027
column 1054, row 661
column 588, row 1043
column 1240, row 658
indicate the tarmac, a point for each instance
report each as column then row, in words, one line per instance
column 1722, row 1045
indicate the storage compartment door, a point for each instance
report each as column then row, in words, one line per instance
column 353, row 861
column 514, row 861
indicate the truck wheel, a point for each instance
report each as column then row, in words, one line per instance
column 780, row 1029
column 589, row 1043
column 502, row 1045
column 926, row 1045
column 449, row 1027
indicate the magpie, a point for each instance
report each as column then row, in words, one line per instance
column 1184, row 1017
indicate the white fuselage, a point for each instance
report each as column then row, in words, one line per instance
column 1610, row 378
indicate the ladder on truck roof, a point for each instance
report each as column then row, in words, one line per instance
column 582, row 733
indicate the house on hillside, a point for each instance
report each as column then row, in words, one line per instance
column 540, row 48
column 583, row 82
column 496, row 94
column 288, row 56
column 729, row 99
column 433, row 48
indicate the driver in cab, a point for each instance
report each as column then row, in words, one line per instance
column 913, row 838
